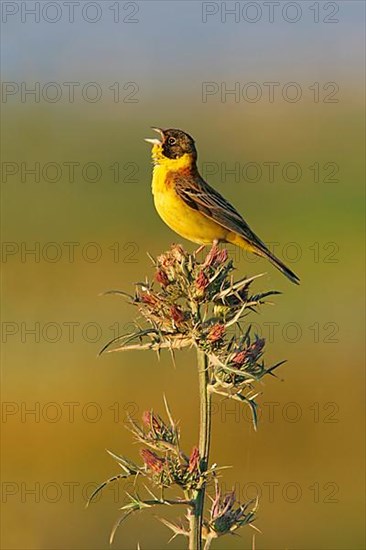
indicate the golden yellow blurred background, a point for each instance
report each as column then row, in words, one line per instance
column 78, row 219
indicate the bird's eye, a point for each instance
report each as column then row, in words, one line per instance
column 172, row 141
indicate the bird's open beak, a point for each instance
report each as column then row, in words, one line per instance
column 156, row 141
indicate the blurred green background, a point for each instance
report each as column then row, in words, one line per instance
column 306, row 461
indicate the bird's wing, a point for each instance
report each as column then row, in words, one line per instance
column 197, row 194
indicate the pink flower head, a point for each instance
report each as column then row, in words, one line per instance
column 161, row 277
column 194, row 460
column 146, row 418
column 251, row 353
column 216, row 333
column 149, row 299
column 151, row 421
column 240, row 357
column 152, row 460
column 176, row 314
column 201, row 282
column 215, row 257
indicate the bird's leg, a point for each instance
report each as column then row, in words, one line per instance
column 215, row 242
column 199, row 249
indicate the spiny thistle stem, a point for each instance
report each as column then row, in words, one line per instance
column 193, row 531
column 205, row 431
column 196, row 516
column 205, row 408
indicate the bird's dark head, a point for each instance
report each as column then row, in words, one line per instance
column 177, row 143
column 175, row 149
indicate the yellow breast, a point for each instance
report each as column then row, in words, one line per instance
column 181, row 218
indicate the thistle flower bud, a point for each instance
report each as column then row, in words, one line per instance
column 157, row 431
column 225, row 517
column 251, row 353
column 255, row 349
column 165, row 264
column 152, row 460
column 201, row 283
column 194, row 460
column 177, row 314
column 239, row 358
column 216, row 333
column 149, row 299
column 162, row 278
column 215, row 257
column 146, row 418
column 151, row 420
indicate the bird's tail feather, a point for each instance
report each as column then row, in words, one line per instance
column 260, row 249
column 280, row 265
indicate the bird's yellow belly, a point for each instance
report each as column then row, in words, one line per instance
column 187, row 222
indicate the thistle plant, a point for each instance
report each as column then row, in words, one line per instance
column 199, row 304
